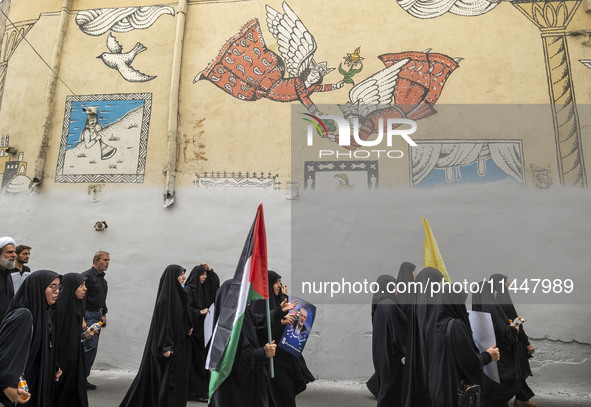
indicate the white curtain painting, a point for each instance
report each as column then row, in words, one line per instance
column 451, row 155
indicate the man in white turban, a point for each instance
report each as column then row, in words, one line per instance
column 7, row 257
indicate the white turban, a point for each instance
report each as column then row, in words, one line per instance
column 6, row 240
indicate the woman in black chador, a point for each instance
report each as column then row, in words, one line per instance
column 248, row 384
column 16, row 332
column 199, row 307
column 291, row 373
column 71, row 388
column 388, row 343
column 441, row 352
column 508, row 340
column 38, row 294
column 162, row 379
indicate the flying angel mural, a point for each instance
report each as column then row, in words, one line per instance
column 408, row 87
column 246, row 69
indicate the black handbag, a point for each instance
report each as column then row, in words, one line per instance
column 468, row 394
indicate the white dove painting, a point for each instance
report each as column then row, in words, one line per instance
column 121, row 61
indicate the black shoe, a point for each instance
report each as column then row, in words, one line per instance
column 90, row 386
column 202, row 399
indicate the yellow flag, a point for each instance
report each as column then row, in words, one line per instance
column 432, row 254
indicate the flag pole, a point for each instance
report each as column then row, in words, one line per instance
column 270, row 336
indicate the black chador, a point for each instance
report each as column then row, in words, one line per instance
column 16, row 332
column 163, row 381
column 291, row 373
column 71, row 388
column 405, row 277
column 507, row 337
column 248, row 384
column 41, row 367
column 435, row 364
column 388, row 343
column 198, row 301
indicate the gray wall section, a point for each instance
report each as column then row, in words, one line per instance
column 470, row 225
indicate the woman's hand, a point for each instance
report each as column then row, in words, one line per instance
column 190, row 331
column 494, row 353
column 288, row 306
column 15, row 395
column 204, row 311
column 58, row 374
column 270, row 349
column 288, row 319
column 167, row 354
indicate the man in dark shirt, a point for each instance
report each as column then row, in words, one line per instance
column 95, row 305
column 7, row 257
column 20, row 271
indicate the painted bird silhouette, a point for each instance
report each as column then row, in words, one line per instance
column 122, row 61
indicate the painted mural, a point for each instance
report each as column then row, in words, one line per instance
column 437, row 162
column 246, row 69
column 237, row 179
column 341, row 175
column 408, row 87
column 551, row 17
column 121, row 61
column 13, row 35
column 104, row 138
column 13, row 171
column 100, row 21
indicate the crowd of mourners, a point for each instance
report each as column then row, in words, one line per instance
column 423, row 349
column 51, row 323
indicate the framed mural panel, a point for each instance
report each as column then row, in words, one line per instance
column 104, row 138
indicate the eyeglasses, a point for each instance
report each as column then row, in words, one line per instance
column 56, row 288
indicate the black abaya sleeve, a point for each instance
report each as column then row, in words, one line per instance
column 468, row 361
column 15, row 340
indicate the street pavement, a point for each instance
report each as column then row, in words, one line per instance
column 113, row 384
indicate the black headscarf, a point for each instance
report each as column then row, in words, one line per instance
column 16, row 332
column 388, row 343
column 71, row 388
column 212, row 284
column 198, row 300
column 416, row 370
column 385, row 283
column 197, row 297
column 162, row 381
column 41, row 363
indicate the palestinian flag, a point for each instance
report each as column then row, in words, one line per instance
column 250, row 283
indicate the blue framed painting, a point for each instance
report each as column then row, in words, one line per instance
column 104, row 138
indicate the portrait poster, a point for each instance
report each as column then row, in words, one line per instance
column 296, row 335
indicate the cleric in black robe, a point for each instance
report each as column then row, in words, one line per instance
column 248, row 384
column 291, row 372
column 388, row 343
column 507, row 337
column 71, row 388
column 38, row 294
column 16, row 333
column 162, row 379
column 199, row 307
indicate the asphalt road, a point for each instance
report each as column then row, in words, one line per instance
column 112, row 386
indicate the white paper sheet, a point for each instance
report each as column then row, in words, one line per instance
column 208, row 325
column 484, row 337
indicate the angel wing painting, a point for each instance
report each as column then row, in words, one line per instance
column 246, row 69
column 408, row 88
